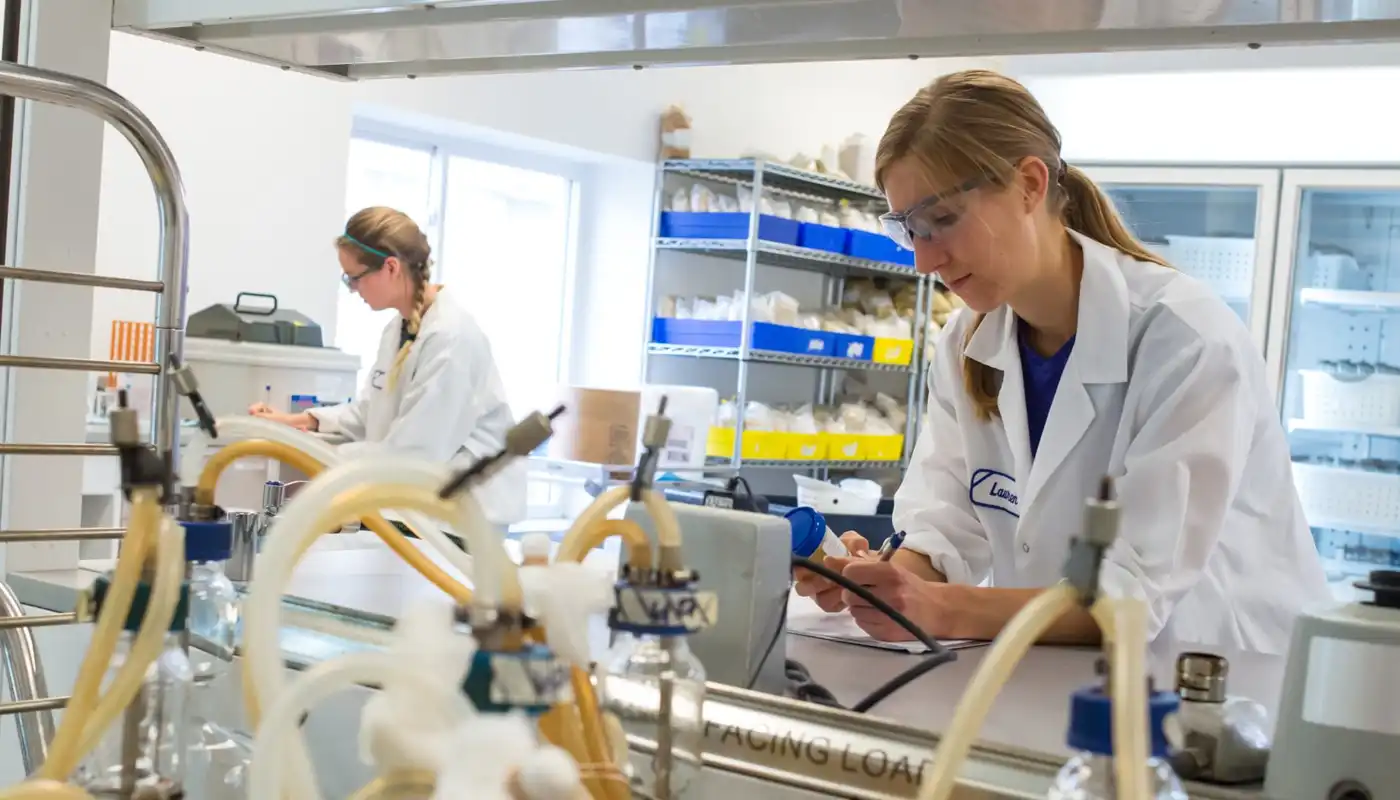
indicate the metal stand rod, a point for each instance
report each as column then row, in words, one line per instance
column 24, row 675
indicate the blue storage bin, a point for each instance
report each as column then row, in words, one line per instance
column 720, row 333
column 725, row 225
column 786, row 339
column 878, row 247
column 854, row 347
column 699, row 332
column 822, row 237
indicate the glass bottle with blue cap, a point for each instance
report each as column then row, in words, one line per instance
column 1089, row 774
column 218, row 760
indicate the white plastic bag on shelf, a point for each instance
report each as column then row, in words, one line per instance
column 807, row 214
column 759, row 417
column 803, row 420
column 857, row 159
column 702, row 198
column 725, row 416
column 680, row 200
column 783, row 308
column 829, row 218
column 782, row 208
column 727, row 204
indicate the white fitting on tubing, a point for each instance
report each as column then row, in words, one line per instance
column 296, row 524
column 280, row 732
column 238, row 428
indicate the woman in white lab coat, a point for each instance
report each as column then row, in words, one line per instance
column 1081, row 354
column 434, row 391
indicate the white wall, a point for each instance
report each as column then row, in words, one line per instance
column 262, row 152
column 1328, row 115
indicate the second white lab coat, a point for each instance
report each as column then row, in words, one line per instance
column 448, row 404
column 1165, row 392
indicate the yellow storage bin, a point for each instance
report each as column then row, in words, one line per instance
column 757, row 444
column 882, row 448
column 893, row 351
column 806, row 446
column 845, row 446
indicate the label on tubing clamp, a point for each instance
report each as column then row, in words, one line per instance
column 663, row 611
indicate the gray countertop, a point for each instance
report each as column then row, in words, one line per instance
column 356, row 573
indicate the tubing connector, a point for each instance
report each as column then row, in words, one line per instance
column 141, row 465
column 509, row 672
column 1086, row 552
column 654, row 436
column 188, row 386
column 521, row 440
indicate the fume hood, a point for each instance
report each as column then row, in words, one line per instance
column 358, row 39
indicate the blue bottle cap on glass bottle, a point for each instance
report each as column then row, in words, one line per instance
column 1091, row 721
column 808, row 530
column 208, row 541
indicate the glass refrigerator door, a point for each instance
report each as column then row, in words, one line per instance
column 1337, row 312
column 1216, row 225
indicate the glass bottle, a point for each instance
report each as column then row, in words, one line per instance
column 218, row 759
column 1089, row 774
column 143, row 753
column 643, row 674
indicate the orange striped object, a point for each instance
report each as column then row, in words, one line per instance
column 131, row 341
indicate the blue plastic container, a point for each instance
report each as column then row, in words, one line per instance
column 878, row 247
column 725, row 225
column 719, row 333
column 808, row 530
column 822, row 237
column 854, row 347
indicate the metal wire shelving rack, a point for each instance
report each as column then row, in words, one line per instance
column 784, row 181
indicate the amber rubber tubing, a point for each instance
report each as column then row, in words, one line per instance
column 391, row 536
column 143, row 526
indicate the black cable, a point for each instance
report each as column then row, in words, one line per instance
column 938, row 655
column 778, row 628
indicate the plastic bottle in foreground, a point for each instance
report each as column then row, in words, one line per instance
column 142, row 753
column 810, row 534
column 1089, row 774
column 218, row 760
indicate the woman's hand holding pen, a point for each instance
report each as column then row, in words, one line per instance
column 930, row 605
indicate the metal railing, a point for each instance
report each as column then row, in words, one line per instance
column 25, row 674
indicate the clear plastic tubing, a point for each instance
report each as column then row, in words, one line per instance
column 232, row 429
column 297, row 522
column 810, row 533
column 281, row 725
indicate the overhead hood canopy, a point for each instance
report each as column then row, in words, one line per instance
column 394, row 38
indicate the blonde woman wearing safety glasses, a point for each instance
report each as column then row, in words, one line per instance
column 1081, row 354
column 434, row 390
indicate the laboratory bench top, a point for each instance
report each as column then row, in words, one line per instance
column 352, row 575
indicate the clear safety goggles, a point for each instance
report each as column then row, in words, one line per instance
column 929, row 219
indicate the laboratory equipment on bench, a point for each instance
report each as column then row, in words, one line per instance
column 1123, row 623
column 1224, row 739
column 254, row 317
column 1090, row 774
column 746, row 643
column 1338, row 729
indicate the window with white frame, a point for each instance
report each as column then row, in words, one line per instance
column 502, row 236
column 502, row 227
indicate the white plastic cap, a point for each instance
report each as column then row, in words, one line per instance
column 536, row 546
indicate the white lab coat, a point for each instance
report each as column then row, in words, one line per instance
column 1165, row 392
column 448, row 404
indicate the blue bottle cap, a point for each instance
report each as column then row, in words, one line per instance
column 208, row 541
column 808, row 530
column 1091, row 721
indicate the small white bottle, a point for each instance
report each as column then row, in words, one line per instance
column 1089, row 775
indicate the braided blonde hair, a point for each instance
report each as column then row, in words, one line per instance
column 979, row 123
column 376, row 234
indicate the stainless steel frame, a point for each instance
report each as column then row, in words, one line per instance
column 358, row 39
column 25, row 674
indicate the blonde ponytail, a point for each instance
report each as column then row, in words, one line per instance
column 981, row 123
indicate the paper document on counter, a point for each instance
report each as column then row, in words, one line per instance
column 805, row 618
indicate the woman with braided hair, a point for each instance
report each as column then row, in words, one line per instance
column 434, row 390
